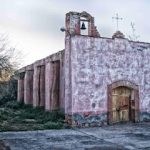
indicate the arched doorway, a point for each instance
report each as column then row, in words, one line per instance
column 123, row 102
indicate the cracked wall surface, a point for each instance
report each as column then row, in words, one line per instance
column 98, row 62
column 77, row 78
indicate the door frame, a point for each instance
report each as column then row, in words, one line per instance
column 127, row 84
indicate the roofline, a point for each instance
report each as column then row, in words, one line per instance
column 102, row 37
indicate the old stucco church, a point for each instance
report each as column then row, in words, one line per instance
column 95, row 80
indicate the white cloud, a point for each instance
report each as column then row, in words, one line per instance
column 34, row 24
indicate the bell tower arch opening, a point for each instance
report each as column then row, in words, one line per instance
column 81, row 24
column 84, row 26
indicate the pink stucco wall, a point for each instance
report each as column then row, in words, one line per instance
column 97, row 62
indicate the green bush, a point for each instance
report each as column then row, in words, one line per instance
column 8, row 91
column 53, row 125
column 13, row 104
column 12, row 88
column 15, row 116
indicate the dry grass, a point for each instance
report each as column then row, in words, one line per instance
column 16, row 116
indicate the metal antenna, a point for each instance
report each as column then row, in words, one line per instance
column 133, row 29
column 134, row 36
column 117, row 20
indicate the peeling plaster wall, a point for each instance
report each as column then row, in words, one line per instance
column 36, row 86
column 98, row 62
column 67, row 73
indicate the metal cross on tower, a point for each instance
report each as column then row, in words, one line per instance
column 117, row 20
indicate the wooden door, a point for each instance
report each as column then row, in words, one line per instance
column 120, row 104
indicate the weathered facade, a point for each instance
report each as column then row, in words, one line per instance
column 95, row 80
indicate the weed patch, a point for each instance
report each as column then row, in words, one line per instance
column 16, row 116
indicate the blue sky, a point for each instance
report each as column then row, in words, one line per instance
column 33, row 25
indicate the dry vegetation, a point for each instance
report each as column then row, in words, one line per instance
column 16, row 116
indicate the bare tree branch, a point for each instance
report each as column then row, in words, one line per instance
column 9, row 61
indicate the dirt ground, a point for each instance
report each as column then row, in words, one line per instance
column 3, row 146
column 116, row 137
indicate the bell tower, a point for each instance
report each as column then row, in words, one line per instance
column 81, row 24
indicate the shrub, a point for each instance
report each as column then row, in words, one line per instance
column 13, row 104
column 8, row 91
column 53, row 125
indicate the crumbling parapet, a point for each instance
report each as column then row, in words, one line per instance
column 118, row 34
column 73, row 24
